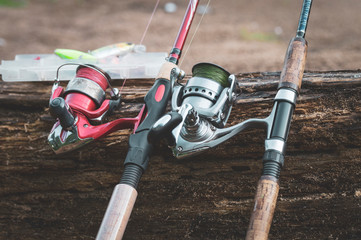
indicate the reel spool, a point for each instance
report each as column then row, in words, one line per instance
column 86, row 91
column 82, row 107
column 209, row 92
column 205, row 86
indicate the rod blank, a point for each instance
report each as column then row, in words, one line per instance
column 305, row 13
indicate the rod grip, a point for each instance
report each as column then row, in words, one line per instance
column 294, row 65
column 118, row 213
column 265, row 204
column 165, row 70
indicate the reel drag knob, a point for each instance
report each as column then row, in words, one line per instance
column 59, row 109
column 163, row 128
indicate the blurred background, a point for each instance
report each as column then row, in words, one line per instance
column 240, row 35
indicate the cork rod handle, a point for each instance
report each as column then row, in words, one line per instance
column 264, row 206
column 294, row 65
column 118, row 213
column 166, row 70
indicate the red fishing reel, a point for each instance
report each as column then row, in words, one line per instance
column 82, row 107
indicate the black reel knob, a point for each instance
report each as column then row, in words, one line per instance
column 163, row 128
column 59, row 109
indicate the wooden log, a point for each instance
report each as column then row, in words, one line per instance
column 210, row 196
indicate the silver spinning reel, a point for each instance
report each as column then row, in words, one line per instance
column 199, row 108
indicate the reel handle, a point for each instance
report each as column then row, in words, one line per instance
column 163, row 128
column 61, row 110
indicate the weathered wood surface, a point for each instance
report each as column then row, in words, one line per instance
column 45, row 196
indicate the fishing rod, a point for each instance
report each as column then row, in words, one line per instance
column 204, row 105
column 140, row 148
column 273, row 159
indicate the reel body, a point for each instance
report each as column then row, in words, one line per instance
column 200, row 107
column 81, row 109
column 206, row 103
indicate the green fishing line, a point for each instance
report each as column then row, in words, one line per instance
column 213, row 72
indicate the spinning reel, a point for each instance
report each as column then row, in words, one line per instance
column 82, row 107
column 199, row 110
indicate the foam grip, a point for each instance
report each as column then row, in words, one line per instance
column 156, row 102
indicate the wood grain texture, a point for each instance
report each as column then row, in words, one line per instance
column 210, row 196
column 264, row 206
